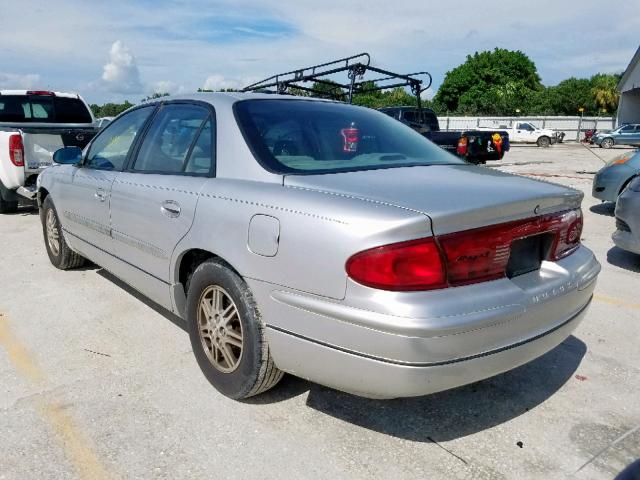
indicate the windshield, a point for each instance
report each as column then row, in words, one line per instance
column 303, row 136
column 43, row 109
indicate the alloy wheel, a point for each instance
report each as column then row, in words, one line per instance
column 220, row 329
column 53, row 235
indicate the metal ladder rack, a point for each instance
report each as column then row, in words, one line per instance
column 356, row 67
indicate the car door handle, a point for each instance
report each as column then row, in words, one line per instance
column 101, row 194
column 170, row 208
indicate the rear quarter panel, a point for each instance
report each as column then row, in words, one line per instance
column 318, row 232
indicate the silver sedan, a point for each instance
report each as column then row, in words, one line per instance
column 324, row 240
column 627, row 234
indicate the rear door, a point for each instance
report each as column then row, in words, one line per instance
column 153, row 202
column 84, row 199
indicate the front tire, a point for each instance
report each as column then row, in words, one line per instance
column 60, row 255
column 227, row 333
column 544, row 142
column 607, row 143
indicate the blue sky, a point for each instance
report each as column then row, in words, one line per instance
column 111, row 51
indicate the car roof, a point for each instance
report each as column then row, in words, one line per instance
column 229, row 98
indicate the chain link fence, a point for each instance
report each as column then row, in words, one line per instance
column 573, row 127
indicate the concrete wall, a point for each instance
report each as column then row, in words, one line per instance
column 568, row 125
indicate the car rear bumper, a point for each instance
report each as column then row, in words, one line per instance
column 376, row 378
column 395, row 344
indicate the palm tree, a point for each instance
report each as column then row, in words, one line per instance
column 605, row 91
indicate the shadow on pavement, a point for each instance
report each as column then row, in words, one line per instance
column 446, row 415
column 623, row 259
column 25, row 209
column 606, row 208
column 173, row 318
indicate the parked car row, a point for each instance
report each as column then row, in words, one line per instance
column 619, row 181
column 321, row 239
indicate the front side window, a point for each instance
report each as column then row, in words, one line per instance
column 109, row 150
column 526, row 126
column 168, row 142
column 305, row 136
column 627, row 129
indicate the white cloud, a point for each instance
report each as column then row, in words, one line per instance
column 19, row 82
column 219, row 82
column 121, row 74
column 166, row 86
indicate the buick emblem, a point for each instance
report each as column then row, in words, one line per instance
column 80, row 137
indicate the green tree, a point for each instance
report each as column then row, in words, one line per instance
column 503, row 74
column 110, row 109
column 604, row 89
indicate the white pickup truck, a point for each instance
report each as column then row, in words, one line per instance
column 525, row 132
column 33, row 125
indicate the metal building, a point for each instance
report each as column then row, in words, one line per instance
column 629, row 86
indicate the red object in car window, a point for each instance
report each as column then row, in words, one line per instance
column 350, row 138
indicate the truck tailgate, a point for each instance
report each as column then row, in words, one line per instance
column 40, row 144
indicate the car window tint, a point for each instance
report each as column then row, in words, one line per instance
column 110, row 149
column 201, row 157
column 626, row 129
column 304, row 136
column 169, row 139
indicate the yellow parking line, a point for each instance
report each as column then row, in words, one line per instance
column 615, row 301
column 75, row 445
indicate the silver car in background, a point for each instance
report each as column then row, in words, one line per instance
column 324, row 240
column 627, row 234
column 611, row 180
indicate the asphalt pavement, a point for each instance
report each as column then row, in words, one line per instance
column 98, row 382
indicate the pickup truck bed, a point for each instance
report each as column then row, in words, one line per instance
column 475, row 146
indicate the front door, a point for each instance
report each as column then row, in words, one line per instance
column 153, row 201
column 86, row 200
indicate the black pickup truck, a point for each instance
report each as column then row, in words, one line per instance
column 475, row 146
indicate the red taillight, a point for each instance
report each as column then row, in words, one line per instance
column 16, row 150
column 41, row 92
column 467, row 257
column 462, row 146
column 413, row 265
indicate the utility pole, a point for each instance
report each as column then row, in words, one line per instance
column 581, row 110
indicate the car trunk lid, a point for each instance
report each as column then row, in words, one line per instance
column 455, row 197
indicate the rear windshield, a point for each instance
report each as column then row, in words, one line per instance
column 304, row 137
column 44, row 109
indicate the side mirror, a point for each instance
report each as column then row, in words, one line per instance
column 68, row 156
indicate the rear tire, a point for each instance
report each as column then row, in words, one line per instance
column 544, row 142
column 60, row 255
column 227, row 333
column 8, row 207
column 607, row 143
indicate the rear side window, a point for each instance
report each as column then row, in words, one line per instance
column 169, row 140
column 46, row 109
column 111, row 147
